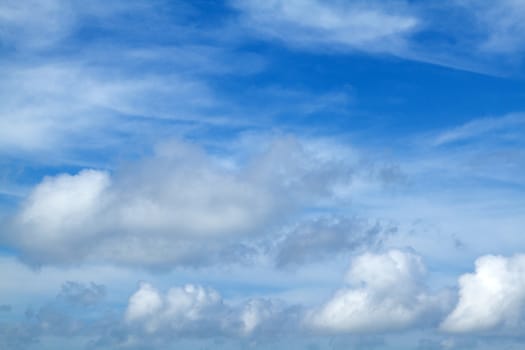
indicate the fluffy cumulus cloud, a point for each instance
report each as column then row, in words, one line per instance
column 490, row 299
column 182, row 308
column 192, row 310
column 55, row 215
column 151, row 318
column 384, row 292
column 182, row 205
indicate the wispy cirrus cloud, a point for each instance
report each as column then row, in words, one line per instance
column 427, row 32
column 62, row 103
column 35, row 24
column 312, row 24
column 501, row 24
column 483, row 127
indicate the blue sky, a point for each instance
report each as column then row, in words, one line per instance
column 275, row 174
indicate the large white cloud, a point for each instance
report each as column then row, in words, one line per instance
column 385, row 292
column 180, row 206
column 492, row 298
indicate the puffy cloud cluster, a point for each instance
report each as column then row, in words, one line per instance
column 384, row 292
column 193, row 310
column 492, row 298
column 179, row 309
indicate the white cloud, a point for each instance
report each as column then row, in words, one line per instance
column 196, row 310
column 144, row 303
column 265, row 316
column 501, row 22
column 35, row 24
column 380, row 272
column 251, row 315
column 180, row 206
column 55, row 105
column 178, row 310
column 480, row 127
column 429, row 32
column 103, row 92
column 58, row 211
column 385, row 293
column 492, row 298
column 358, row 25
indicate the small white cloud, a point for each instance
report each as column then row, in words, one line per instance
column 254, row 313
column 490, row 299
column 146, row 302
column 385, row 293
column 179, row 309
column 195, row 310
column 58, row 211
